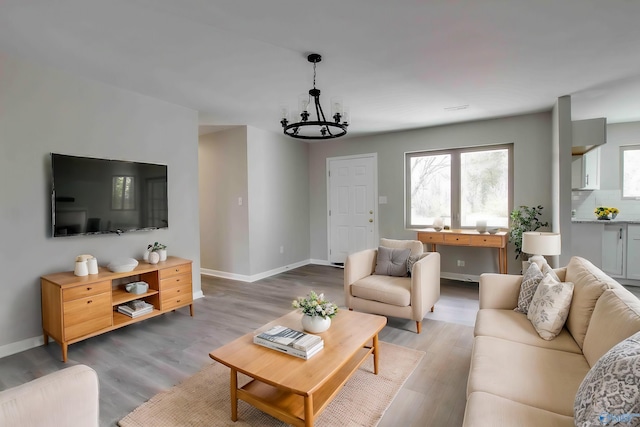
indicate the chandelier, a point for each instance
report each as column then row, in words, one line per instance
column 319, row 128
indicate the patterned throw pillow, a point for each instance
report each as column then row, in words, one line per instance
column 530, row 281
column 392, row 262
column 550, row 306
column 610, row 393
column 546, row 269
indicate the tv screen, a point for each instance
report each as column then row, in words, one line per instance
column 97, row 196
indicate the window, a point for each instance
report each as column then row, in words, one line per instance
column 123, row 193
column 630, row 159
column 461, row 186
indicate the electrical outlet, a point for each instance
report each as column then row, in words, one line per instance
column 460, row 263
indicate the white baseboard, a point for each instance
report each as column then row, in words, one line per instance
column 254, row 277
column 17, row 347
column 461, row 277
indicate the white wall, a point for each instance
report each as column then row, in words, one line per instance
column 278, row 200
column 530, row 134
column 270, row 173
column 43, row 111
column 224, row 223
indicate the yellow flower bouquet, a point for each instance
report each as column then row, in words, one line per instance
column 603, row 212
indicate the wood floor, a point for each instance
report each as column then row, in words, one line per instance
column 138, row 361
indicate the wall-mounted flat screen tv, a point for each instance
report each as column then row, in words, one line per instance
column 99, row 196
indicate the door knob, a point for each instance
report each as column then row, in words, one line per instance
column 370, row 219
column 371, row 212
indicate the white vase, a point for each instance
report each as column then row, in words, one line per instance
column 163, row 254
column 145, row 256
column 315, row 324
column 154, row 257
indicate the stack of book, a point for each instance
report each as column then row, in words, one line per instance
column 135, row 308
column 290, row 341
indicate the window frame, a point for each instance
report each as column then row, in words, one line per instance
column 623, row 149
column 456, row 190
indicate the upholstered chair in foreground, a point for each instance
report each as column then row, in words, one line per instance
column 407, row 297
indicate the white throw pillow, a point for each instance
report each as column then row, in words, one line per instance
column 550, row 306
column 530, row 281
column 610, row 392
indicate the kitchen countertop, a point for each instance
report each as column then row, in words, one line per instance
column 597, row 221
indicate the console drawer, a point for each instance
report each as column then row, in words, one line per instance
column 489, row 241
column 179, row 297
column 83, row 291
column 430, row 237
column 86, row 315
column 457, row 239
column 175, row 271
column 175, row 281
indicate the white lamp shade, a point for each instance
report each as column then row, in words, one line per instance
column 541, row 243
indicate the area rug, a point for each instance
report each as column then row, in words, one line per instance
column 203, row 399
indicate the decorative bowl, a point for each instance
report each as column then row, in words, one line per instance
column 493, row 230
column 122, row 265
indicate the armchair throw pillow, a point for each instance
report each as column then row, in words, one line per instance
column 610, row 392
column 392, row 262
column 550, row 306
column 412, row 260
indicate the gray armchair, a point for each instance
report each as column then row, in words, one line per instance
column 404, row 297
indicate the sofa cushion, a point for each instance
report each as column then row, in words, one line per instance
column 550, row 306
column 530, row 281
column 611, row 389
column 412, row 260
column 484, row 409
column 392, row 262
column 509, row 325
column 589, row 283
column 540, row 377
column 616, row 316
column 389, row 290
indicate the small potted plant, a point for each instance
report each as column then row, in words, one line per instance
column 156, row 252
column 524, row 218
column 317, row 312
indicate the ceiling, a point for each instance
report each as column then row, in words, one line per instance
column 399, row 64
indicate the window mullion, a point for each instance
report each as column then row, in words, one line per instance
column 455, row 190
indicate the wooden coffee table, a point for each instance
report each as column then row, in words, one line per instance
column 295, row 390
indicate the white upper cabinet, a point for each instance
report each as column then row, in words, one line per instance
column 585, row 170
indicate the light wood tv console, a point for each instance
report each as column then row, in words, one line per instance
column 76, row 308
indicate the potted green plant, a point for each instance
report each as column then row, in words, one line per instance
column 524, row 218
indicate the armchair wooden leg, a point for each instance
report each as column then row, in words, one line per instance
column 419, row 326
column 432, row 307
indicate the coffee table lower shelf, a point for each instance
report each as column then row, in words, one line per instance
column 290, row 407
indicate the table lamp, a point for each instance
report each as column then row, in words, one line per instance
column 537, row 244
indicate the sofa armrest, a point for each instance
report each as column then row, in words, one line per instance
column 68, row 397
column 425, row 284
column 499, row 290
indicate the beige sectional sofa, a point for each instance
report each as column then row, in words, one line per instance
column 517, row 378
column 68, row 398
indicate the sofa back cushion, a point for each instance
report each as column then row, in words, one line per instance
column 416, row 246
column 589, row 283
column 615, row 318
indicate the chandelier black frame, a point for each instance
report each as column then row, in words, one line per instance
column 326, row 129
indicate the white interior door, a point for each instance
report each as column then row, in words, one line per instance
column 352, row 187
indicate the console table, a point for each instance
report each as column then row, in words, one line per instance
column 76, row 308
column 469, row 238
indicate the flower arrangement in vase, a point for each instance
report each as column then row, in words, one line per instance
column 603, row 212
column 317, row 312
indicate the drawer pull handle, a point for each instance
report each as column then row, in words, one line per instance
column 177, row 300
column 177, row 280
column 177, row 269
column 179, row 290
column 90, row 301
column 89, row 288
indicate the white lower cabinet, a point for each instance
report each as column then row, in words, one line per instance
column 633, row 252
column 613, row 249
